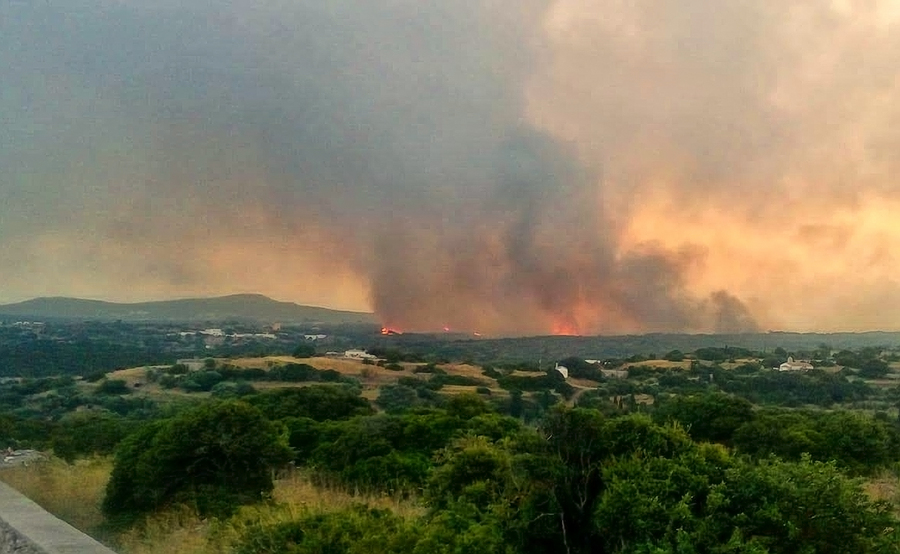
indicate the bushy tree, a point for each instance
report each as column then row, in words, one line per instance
column 113, row 386
column 806, row 507
column 213, row 457
column 319, row 402
column 674, row 356
column 711, row 416
column 304, row 350
column 86, row 433
column 201, row 381
column 873, row 368
column 397, row 398
column 855, row 441
column 229, row 389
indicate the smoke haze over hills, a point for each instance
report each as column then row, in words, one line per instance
column 540, row 166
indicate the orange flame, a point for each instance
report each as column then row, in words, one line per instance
column 565, row 328
column 390, row 331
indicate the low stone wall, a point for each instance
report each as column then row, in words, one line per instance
column 26, row 528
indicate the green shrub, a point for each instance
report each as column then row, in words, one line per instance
column 213, row 458
column 357, row 530
column 113, row 386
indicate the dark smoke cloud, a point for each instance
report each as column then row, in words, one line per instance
column 403, row 155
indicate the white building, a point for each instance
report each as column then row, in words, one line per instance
column 791, row 365
column 359, row 355
column 563, row 370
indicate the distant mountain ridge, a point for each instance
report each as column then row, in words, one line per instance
column 256, row 307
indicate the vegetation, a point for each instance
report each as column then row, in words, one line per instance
column 707, row 450
column 212, row 458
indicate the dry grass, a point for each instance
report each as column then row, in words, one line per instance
column 463, row 369
column 459, row 389
column 180, row 531
column 885, row 486
column 73, row 493
column 342, row 365
column 299, row 491
column 176, row 531
column 370, row 376
column 584, row 383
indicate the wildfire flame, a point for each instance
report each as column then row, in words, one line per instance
column 565, row 328
column 390, row 331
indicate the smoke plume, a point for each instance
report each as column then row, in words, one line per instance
column 546, row 166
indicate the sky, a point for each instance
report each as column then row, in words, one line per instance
column 529, row 167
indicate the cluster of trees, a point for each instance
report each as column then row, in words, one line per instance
column 42, row 357
column 577, row 481
column 816, row 387
column 51, row 398
column 208, row 378
column 856, row 442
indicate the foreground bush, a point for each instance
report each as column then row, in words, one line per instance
column 212, row 458
column 351, row 531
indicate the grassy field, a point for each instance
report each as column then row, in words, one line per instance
column 71, row 492
column 74, row 494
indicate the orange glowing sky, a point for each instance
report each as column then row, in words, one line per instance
column 570, row 166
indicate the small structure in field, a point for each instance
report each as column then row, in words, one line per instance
column 355, row 354
column 563, row 370
column 791, row 365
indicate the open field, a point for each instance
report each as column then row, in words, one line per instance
column 372, row 377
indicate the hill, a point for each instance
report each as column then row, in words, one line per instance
column 254, row 307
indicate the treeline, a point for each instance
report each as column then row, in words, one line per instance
column 578, row 481
column 227, row 380
column 42, row 357
column 750, row 381
column 856, row 442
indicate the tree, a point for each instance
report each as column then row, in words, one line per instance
column 674, row 356
column 228, row 389
column 319, row 402
column 713, row 416
column 397, row 398
column 201, row 381
column 113, row 386
column 89, row 432
column 806, row 507
column 304, row 350
column 873, row 368
column 213, row 458
column 856, row 442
